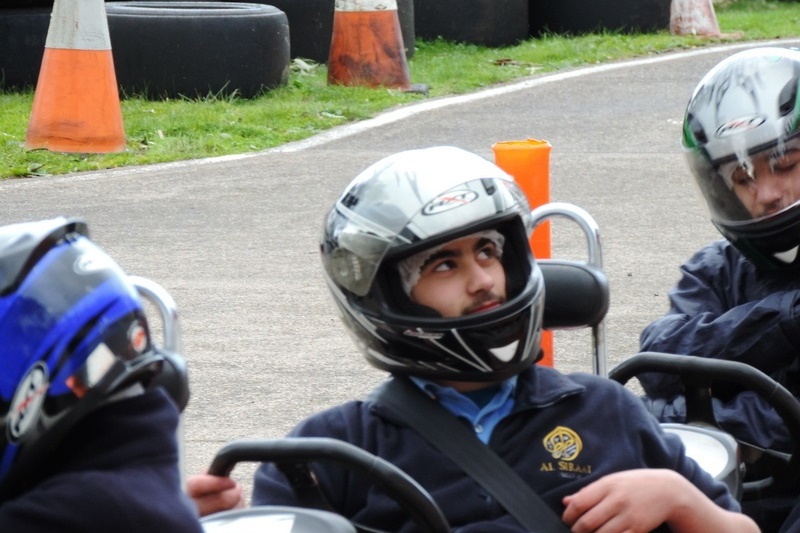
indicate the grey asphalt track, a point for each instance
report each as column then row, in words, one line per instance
column 234, row 239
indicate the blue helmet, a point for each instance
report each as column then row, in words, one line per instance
column 74, row 336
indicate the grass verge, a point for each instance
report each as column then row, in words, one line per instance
column 171, row 130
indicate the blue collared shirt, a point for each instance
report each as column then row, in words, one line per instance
column 483, row 418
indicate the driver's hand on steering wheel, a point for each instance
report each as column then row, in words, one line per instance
column 213, row 494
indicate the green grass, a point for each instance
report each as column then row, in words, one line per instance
column 162, row 131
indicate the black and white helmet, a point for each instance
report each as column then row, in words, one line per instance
column 409, row 202
column 747, row 106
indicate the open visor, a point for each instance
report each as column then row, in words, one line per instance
column 736, row 194
column 373, row 221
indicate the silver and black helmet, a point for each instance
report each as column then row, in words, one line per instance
column 744, row 108
column 409, row 202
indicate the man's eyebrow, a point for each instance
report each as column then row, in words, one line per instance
column 483, row 241
column 783, row 153
column 441, row 254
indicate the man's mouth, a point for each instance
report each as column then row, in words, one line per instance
column 485, row 306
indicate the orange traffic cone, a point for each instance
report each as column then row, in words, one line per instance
column 367, row 45
column 76, row 103
column 693, row 17
column 528, row 162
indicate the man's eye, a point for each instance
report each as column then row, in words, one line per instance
column 785, row 162
column 784, row 165
column 443, row 266
column 487, row 252
column 742, row 179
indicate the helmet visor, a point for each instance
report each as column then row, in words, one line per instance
column 359, row 235
column 752, row 186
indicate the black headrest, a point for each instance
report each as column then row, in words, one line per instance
column 576, row 294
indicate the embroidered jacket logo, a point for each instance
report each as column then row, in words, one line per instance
column 563, row 443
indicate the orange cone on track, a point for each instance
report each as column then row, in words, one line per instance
column 693, row 17
column 76, row 103
column 528, row 162
column 367, row 45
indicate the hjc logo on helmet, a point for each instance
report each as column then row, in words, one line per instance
column 739, row 125
column 448, row 201
column 137, row 335
column 27, row 402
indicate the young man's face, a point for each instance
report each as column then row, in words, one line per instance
column 772, row 184
column 464, row 276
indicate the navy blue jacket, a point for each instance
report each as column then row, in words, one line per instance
column 725, row 308
column 564, row 433
column 117, row 472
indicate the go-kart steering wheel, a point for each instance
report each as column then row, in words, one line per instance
column 293, row 455
column 780, row 470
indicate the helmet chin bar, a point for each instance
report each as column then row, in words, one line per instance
column 787, row 256
column 771, row 243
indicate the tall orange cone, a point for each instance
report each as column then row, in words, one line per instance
column 693, row 17
column 76, row 103
column 528, row 162
column 367, row 45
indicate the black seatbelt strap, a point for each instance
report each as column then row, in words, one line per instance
column 453, row 438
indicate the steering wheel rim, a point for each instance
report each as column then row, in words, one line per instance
column 296, row 453
column 697, row 373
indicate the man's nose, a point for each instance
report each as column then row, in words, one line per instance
column 479, row 279
column 769, row 188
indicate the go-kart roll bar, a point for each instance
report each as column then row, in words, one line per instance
column 293, row 455
column 595, row 258
column 174, row 376
column 158, row 296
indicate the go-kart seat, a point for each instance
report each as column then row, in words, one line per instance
column 714, row 450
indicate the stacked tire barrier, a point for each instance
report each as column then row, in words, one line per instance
column 23, row 32
column 583, row 16
column 506, row 22
column 481, row 22
column 24, row 23
column 169, row 49
column 311, row 26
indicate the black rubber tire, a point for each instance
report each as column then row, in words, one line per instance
column 583, row 16
column 311, row 26
column 171, row 49
column 27, row 4
column 483, row 22
column 23, row 33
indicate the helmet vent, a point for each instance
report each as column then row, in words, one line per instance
column 697, row 130
column 788, row 97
